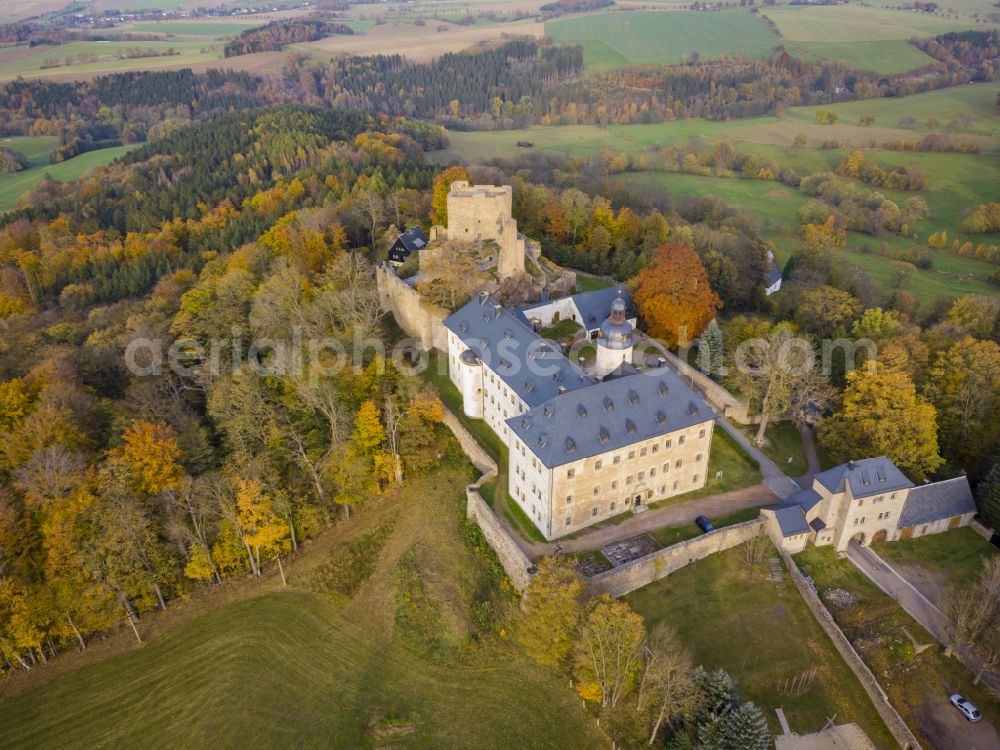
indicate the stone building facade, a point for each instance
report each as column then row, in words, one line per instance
column 479, row 213
column 581, row 449
column 867, row 501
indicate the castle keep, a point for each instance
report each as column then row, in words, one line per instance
column 483, row 212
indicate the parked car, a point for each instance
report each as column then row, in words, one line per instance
column 969, row 711
column 704, row 524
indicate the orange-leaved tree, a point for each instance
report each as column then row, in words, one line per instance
column 674, row 296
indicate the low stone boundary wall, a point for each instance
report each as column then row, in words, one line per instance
column 878, row 696
column 515, row 562
column 656, row 565
column 984, row 532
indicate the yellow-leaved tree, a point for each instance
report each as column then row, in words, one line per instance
column 550, row 611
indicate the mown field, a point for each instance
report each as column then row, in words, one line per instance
column 763, row 635
column 258, row 665
column 37, row 149
column 613, row 40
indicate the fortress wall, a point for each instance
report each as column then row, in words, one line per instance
column 417, row 317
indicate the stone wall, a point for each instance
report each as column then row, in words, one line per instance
column 638, row 573
column 878, row 696
column 721, row 399
column 417, row 317
column 515, row 562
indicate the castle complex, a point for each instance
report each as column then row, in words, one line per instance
column 591, row 440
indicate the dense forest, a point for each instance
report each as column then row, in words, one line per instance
column 275, row 35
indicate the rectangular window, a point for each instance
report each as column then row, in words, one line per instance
column 695, row 478
column 642, row 451
column 680, row 440
column 611, row 507
column 628, row 479
column 697, row 459
column 594, row 511
column 631, row 455
column 666, row 468
column 597, row 490
column 641, row 475
column 656, row 447
column 701, row 434
column 597, row 465
column 569, row 521
column 617, row 460
column 678, row 463
column 652, row 472
column 667, row 444
column 569, row 499
column 676, row 484
column 614, row 485
column 570, row 473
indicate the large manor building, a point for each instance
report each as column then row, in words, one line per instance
column 584, row 444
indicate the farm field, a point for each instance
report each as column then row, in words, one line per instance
column 263, row 666
column 417, row 43
column 728, row 617
column 37, row 149
column 854, row 23
column 193, row 28
column 618, row 39
column 885, row 56
column 110, row 58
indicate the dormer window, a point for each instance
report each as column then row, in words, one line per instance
column 570, row 445
column 633, row 398
column 661, row 418
column 604, row 435
column 663, row 388
column 581, row 411
column 629, row 426
column 609, row 405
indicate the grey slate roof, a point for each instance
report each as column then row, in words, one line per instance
column 867, row 477
column 806, row 498
column 610, row 415
column 595, row 306
column 533, row 368
column 933, row 502
column 791, row 519
column 773, row 273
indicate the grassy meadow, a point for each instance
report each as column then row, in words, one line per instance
column 956, row 181
column 37, row 149
column 254, row 664
column 729, row 616
column 614, row 40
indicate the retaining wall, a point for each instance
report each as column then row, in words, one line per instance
column 515, row 562
column 878, row 696
column 417, row 317
column 656, row 565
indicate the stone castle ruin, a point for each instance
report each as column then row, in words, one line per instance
column 479, row 213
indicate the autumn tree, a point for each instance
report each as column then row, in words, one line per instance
column 882, row 415
column 825, row 310
column 964, row 386
column 442, row 186
column 674, row 296
column 608, row 653
column 551, row 609
column 779, row 376
column 666, row 684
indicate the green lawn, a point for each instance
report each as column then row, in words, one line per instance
column 672, row 534
column 585, row 283
column 619, row 39
column 210, row 29
column 37, row 149
column 784, row 442
column 875, row 626
column 288, row 667
column 564, row 329
column 763, row 635
column 956, row 555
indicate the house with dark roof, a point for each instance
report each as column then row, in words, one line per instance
column 772, row 276
column 405, row 244
column 868, row 501
column 589, row 309
column 583, row 446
